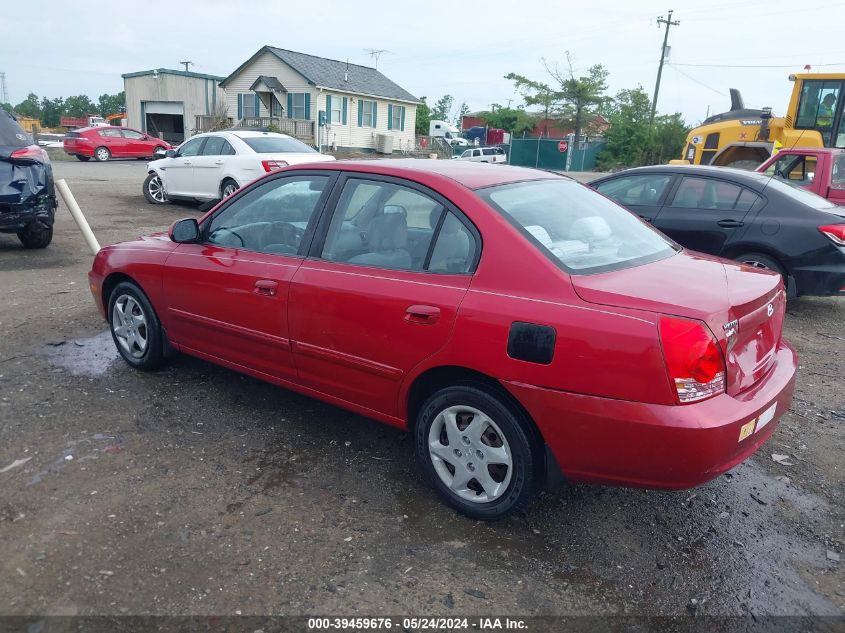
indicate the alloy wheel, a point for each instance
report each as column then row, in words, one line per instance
column 102, row 154
column 156, row 189
column 229, row 189
column 129, row 324
column 470, row 454
column 755, row 264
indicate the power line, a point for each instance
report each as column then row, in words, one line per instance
column 669, row 23
column 755, row 65
column 691, row 78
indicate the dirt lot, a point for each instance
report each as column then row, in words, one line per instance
column 195, row 490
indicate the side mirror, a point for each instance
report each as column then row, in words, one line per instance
column 159, row 153
column 184, row 231
column 170, row 153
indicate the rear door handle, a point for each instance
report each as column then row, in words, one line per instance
column 218, row 162
column 266, row 287
column 425, row 315
column 730, row 224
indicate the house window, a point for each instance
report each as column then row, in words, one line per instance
column 337, row 110
column 396, row 117
column 297, row 105
column 249, row 109
column 367, row 108
column 275, row 107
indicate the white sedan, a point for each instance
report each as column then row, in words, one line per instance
column 214, row 165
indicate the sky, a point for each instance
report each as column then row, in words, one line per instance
column 463, row 48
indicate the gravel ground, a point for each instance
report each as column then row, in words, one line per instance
column 195, row 490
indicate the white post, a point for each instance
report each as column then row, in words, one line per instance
column 76, row 212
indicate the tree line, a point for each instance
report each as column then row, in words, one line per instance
column 574, row 101
column 50, row 111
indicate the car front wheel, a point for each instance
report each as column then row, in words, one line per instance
column 36, row 235
column 135, row 327
column 476, row 451
column 154, row 189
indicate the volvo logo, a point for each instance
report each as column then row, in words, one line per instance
column 770, row 309
column 731, row 328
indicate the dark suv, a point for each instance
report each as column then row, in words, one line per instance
column 27, row 194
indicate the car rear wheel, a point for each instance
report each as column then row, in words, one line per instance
column 154, row 190
column 135, row 327
column 102, row 154
column 228, row 187
column 36, row 235
column 84, row 159
column 758, row 260
column 476, row 451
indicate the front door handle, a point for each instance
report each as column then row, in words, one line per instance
column 218, row 162
column 730, row 224
column 186, row 162
column 425, row 315
column 266, row 287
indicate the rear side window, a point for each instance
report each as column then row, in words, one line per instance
column 454, row 250
column 137, row 136
column 11, row 133
column 709, row 193
column 636, row 190
column 217, row 146
column 488, row 152
column 277, row 145
column 575, row 227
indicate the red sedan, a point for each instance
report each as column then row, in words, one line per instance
column 112, row 141
column 519, row 324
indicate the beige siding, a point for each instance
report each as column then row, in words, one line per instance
column 196, row 94
column 349, row 135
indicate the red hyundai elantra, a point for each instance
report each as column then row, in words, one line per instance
column 519, row 324
column 104, row 142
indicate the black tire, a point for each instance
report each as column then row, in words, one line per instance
column 519, row 486
column 152, row 355
column 102, row 154
column 759, row 260
column 227, row 182
column 154, row 194
column 84, row 159
column 36, row 235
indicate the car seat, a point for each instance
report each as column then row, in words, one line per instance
column 387, row 241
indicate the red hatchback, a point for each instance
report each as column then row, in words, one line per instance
column 112, row 141
column 519, row 324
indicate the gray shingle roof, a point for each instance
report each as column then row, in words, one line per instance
column 272, row 83
column 330, row 73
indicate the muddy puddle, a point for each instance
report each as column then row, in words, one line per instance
column 91, row 357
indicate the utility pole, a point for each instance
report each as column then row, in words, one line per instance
column 186, row 64
column 669, row 23
column 4, row 94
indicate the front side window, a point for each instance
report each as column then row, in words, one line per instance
column 818, row 108
column 135, row 136
column 799, row 170
column 110, row 133
column 578, row 229
column 297, row 105
column 382, row 224
column 272, row 218
column 645, row 190
column 191, row 147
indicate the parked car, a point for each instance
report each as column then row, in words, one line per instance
column 27, row 192
column 515, row 321
column 484, row 155
column 213, row 165
column 741, row 215
column 103, row 142
column 816, row 169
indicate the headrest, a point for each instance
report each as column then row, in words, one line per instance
column 387, row 232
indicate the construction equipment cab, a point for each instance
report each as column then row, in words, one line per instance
column 746, row 138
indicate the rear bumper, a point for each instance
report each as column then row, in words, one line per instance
column 823, row 280
column 599, row 440
column 16, row 217
column 80, row 150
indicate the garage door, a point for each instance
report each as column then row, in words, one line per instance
column 164, row 107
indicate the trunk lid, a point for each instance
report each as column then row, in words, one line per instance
column 743, row 307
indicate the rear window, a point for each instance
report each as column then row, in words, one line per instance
column 11, row 133
column 277, row 145
column 800, row 194
column 577, row 228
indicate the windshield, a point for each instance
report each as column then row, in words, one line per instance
column 577, row 228
column 277, row 145
column 799, row 194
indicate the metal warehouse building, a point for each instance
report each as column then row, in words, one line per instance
column 166, row 103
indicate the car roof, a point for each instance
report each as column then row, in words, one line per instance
column 749, row 178
column 469, row 174
column 253, row 133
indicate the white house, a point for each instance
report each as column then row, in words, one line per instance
column 290, row 90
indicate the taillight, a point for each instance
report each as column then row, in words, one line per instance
column 693, row 359
column 834, row 232
column 273, row 165
column 32, row 152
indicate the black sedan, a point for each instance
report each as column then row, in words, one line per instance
column 741, row 215
column 27, row 193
